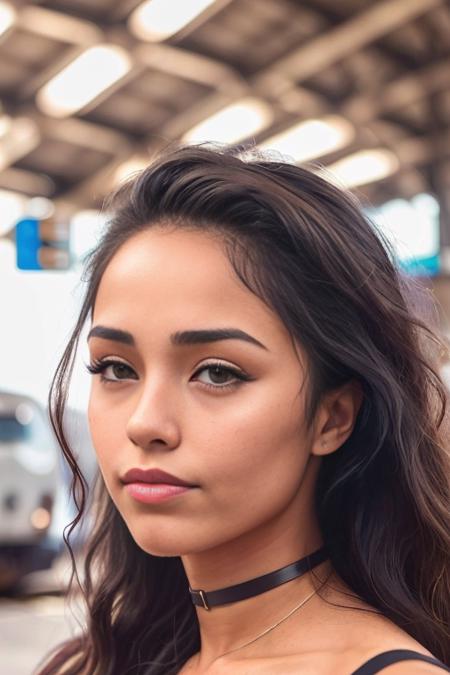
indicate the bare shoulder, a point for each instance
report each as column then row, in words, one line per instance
column 377, row 638
column 361, row 632
column 354, row 635
column 322, row 664
column 352, row 659
column 412, row 668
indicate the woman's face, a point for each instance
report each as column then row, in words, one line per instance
column 166, row 404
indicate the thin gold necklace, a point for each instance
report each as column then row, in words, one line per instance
column 297, row 607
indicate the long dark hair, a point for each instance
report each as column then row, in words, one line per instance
column 306, row 248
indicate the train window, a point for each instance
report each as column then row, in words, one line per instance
column 11, row 430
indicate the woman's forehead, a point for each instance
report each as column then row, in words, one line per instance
column 170, row 253
column 173, row 268
column 159, row 276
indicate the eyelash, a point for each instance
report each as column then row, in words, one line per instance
column 99, row 366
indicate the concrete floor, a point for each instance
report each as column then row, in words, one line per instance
column 32, row 624
column 29, row 628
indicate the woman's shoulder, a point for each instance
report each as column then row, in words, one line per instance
column 351, row 638
column 359, row 634
column 379, row 645
column 392, row 660
column 354, row 645
column 402, row 662
column 327, row 664
column 398, row 656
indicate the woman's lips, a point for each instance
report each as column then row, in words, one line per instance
column 154, row 476
column 153, row 493
column 153, row 485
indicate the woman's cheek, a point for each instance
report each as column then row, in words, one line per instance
column 104, row 438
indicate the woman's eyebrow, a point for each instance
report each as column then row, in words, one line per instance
column 187, row 337
column 114, row 334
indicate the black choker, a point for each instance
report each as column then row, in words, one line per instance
column 248, row 589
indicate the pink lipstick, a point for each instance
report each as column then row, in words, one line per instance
column 152, row 486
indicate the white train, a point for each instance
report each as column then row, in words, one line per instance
column 31, row 488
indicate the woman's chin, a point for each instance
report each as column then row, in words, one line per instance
column 165, row 547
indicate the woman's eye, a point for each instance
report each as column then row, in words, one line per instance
column 218, row 376
column 214, row 376
column 112, row 371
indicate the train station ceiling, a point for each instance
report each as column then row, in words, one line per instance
column 320, row 80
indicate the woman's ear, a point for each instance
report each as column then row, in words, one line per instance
column 336, row 417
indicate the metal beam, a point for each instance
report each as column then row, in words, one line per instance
column 123, row 9
column 57, row 26
column 85, row 134
column 336, row 15
column 27, row 182
column 337, row 43
column 72, row 130
column 189, row 66
column 399, row 93
column 278, row 81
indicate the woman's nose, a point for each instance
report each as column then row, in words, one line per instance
column 153, row 420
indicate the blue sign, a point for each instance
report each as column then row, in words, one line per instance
column 28, row 244
column 42, row 244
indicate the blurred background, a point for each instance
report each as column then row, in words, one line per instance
column 89, row 92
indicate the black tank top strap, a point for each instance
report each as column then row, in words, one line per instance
column 385, row 659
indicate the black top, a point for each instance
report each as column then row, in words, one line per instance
column 385, row 659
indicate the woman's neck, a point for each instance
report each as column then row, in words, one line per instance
column 226, row 627
column 275, row 545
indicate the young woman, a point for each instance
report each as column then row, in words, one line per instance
column 269, row 427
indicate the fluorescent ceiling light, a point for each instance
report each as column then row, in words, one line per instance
column 83, row 80
column 5, row 125
column 7, row 16
column 233, row 123
column 40, row 208
column 311, row 138
column 366, row 166
column 19, row 139
column 156, row 20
